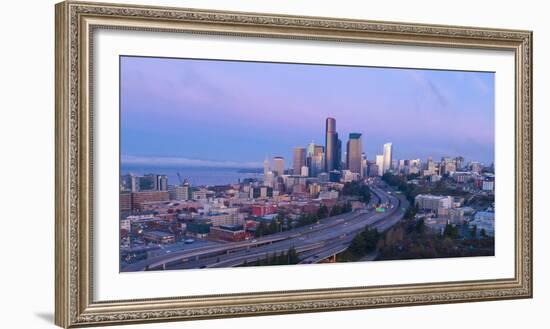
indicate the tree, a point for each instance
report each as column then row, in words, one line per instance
column 483, row 233
column 371, row 237
column 260, row 229
column 273, row 227
column 358, row 246
column 346, row 207
column 401, row 184
column 411, row 212
column 285, row 224
column 420, row 228
column 322, row 212
column 292, row 256
column 450, row 231
column 345, row 256
column 336, row 210
column 358, row 189
column 473, row 231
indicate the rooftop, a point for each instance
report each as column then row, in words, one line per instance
column 159, row 234
column 433, row 197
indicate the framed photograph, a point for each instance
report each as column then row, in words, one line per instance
column 217, row 164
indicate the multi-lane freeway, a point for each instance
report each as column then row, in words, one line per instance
column 313, row 243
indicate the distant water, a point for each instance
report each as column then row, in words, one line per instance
column 195, row 176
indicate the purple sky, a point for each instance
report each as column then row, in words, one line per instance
column 224, row 113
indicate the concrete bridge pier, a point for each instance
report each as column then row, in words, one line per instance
column 329, row 259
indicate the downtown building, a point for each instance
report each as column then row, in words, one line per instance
column 180, row 193
column 387, row 158
column 380, row 164
column 315, row 160
column 333, row 146
column 149, row 182
column 299, row 160
column 137, row 200
column 354, row 154
column 278, row 165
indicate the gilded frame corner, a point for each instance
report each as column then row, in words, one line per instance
column 75, row 23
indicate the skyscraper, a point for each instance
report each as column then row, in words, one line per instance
column 319, row 150
column 459, row 162
column 315, row 159
column 317, row 164
column 380, row 164
column 299, row 160
column 364, row 164
column 266, row 166
column 331, row 145
column 310, row 149
column 338, row 160
column 162, row 182
column 354, row 152
column 387, row 157
column 278, row 165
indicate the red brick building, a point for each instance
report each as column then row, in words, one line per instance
column 139, row 198
column 219, row 233
column 259, row 210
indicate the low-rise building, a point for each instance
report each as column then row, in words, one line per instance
column 484, row 220
column 180, row 192
column 263, row 209
column 125, row 224
column 159, row 237
column 200, row 194
column 488, row 185
column 139, row 199
column 228, row 233
column 332, row 194
column 198, row 229
column 436, row 203
column 222, row 218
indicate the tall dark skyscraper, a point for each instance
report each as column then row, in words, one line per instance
column 331, row 146
column 354, row 153
column 299, row 160
column 338, row 160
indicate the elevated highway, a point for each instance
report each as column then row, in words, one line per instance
column 313, row 243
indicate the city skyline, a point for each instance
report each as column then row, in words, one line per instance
column 347, row 163
column 313, row 159
column 159, row 94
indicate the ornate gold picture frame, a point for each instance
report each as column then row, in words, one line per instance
column 76, row 22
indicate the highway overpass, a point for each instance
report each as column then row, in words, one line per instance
column 313, row 243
